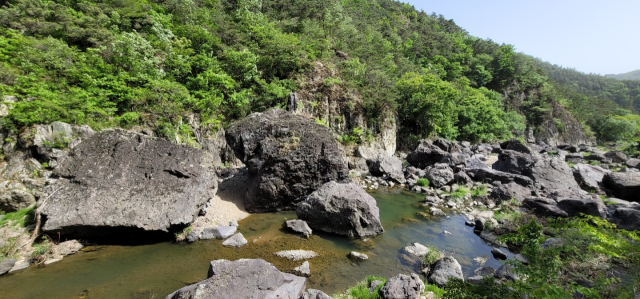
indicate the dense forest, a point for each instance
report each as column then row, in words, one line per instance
column 635, row 75
column 163, row 64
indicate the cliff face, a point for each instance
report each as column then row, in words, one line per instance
column 558, row 127
column 323, row 97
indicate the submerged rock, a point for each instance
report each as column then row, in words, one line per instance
column 403, row 287
column 299, row 226
column 236, row 240
column 303, row 270
column 297, row 255
column 288, row 155
column 343, row 209
column 245, row 278
column 358, row 256
column 499, row 254
column 121, row 184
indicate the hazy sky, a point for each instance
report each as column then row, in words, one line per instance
column 591, row 36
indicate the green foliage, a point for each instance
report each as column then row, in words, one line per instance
column 437, row 291
column 479, row 191
column 361, row 290
column 422, row 182
column 460, row 193
column 20, row 218
column 432, row 257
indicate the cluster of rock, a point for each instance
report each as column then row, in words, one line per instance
column 536, row 175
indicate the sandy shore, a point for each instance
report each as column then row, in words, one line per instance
column 228, row 204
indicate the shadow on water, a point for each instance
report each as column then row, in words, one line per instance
column 155, row 270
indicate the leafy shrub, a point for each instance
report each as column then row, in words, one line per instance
column 361, row 290
column 423, row 182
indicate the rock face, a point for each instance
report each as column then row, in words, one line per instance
column 444, row 269
column 243, row 278
column 119, row 184
column 343, row 209
column 624, row 185
column 288, row 156
column 550, row 173
column 403, row 287
column 390, row 166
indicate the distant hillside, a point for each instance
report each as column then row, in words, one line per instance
column 635, row 75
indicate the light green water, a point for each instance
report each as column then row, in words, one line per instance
column 153, row 271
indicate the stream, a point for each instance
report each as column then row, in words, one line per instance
column 154, row 271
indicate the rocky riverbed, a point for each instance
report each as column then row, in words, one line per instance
column 116, row 186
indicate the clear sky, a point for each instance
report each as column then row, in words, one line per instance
column 591, row 36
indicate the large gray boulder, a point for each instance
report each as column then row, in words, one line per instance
column 299, row 226
column 343, row 209
column 388, row 165
column 245, row 278
column 14, row 196
column 426, row 154
column 516, row 145
column 550, row 173
column 624, row 185
column 626, row 218
column 617, row 156
column 507, row 192
column 120, row 184
column 589, row 177
column 6, row 265
column 588, row 206
column 440, row 175
column 288, row 155
column 544, row 207
column 445, row 269
column 403, row 287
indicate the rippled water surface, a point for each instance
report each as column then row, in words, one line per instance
column 153, row 271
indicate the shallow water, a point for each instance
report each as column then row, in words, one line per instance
column 153, row 271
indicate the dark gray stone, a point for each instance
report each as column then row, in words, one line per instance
column 390, row 166
column 587, row 206
column 440, row 175
column 490, row 175
column 445, row 269
column 476, row 163
column 633, row 163
column 343, row 209
column 461, row 178
column 245, row 278
column 624, row 185
column 426, row 154
column 506, row 272
column 499, row 254
column 403, row 287
column 288, row 155
column 552, row 243
column 589, row 177
column 484, row 271
column 120, row 184
column 550, row 173
column 507, row 192
column 516, row 145
column 544, row 207
column 617, row 156
column 299, row 226
column 6, row 265
column 626, row 218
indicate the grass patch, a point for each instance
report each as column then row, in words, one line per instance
column 361, row 290
column 594, row 162
column 479, row 191
column 422, row 182
column 460, row 193
column 439, row 292
column 21, row 218
column 571, row 164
